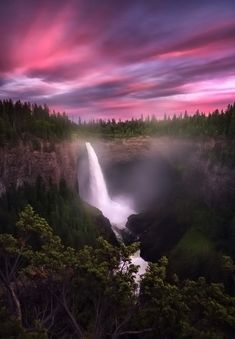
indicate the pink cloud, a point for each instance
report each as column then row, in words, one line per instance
column 122, row 60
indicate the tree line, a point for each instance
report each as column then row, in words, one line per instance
column 23, row 120
column 218, row 123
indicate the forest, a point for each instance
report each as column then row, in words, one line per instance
column 55, row 291
column 63, row 274
column 217, row 123
column 75, row 223
column 23, row 120
column 117, row 169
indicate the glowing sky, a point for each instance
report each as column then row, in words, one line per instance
column 122, row 58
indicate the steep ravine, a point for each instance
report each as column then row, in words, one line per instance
column 153, row 170
column 24, row 163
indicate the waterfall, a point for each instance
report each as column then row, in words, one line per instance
column 98, row 193
column 116, row 211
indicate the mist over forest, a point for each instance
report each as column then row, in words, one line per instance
column 116, row 228
column 117, row 169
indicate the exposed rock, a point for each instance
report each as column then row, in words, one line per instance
column 2, row 188
column 102, row 223
column 188, row 160
column 157, row 231
column 23, row 164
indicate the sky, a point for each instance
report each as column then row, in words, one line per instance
column 118, row 58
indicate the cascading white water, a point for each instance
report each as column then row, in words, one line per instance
column 116, row 211
column 98, row 194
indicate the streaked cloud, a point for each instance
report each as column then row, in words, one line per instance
column 118, row 58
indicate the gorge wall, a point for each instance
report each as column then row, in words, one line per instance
column 23, row 163
column 178, row 185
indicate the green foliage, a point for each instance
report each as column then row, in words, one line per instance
column 61, row 207
column 28, row 122
column 214, row 124
column 11, row 329
column 196, row 255
column 105, row 285
column 31, row 222
column 92, row 293
column 205, row 242
column 185, row 309
column 51, row 254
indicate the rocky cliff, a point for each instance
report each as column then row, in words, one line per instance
column 24, row 163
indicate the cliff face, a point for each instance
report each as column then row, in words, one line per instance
column 152, row 167
column 24, row 163
column 174, row 183
column 201, row 195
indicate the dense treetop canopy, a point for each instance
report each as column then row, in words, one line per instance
column 24, row 121
column 53, row 291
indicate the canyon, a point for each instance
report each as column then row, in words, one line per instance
column 166, row 181
column 23, row 163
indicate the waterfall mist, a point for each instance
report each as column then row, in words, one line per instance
column 118, row 210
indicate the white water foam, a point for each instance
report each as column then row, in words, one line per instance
column 117, row 211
